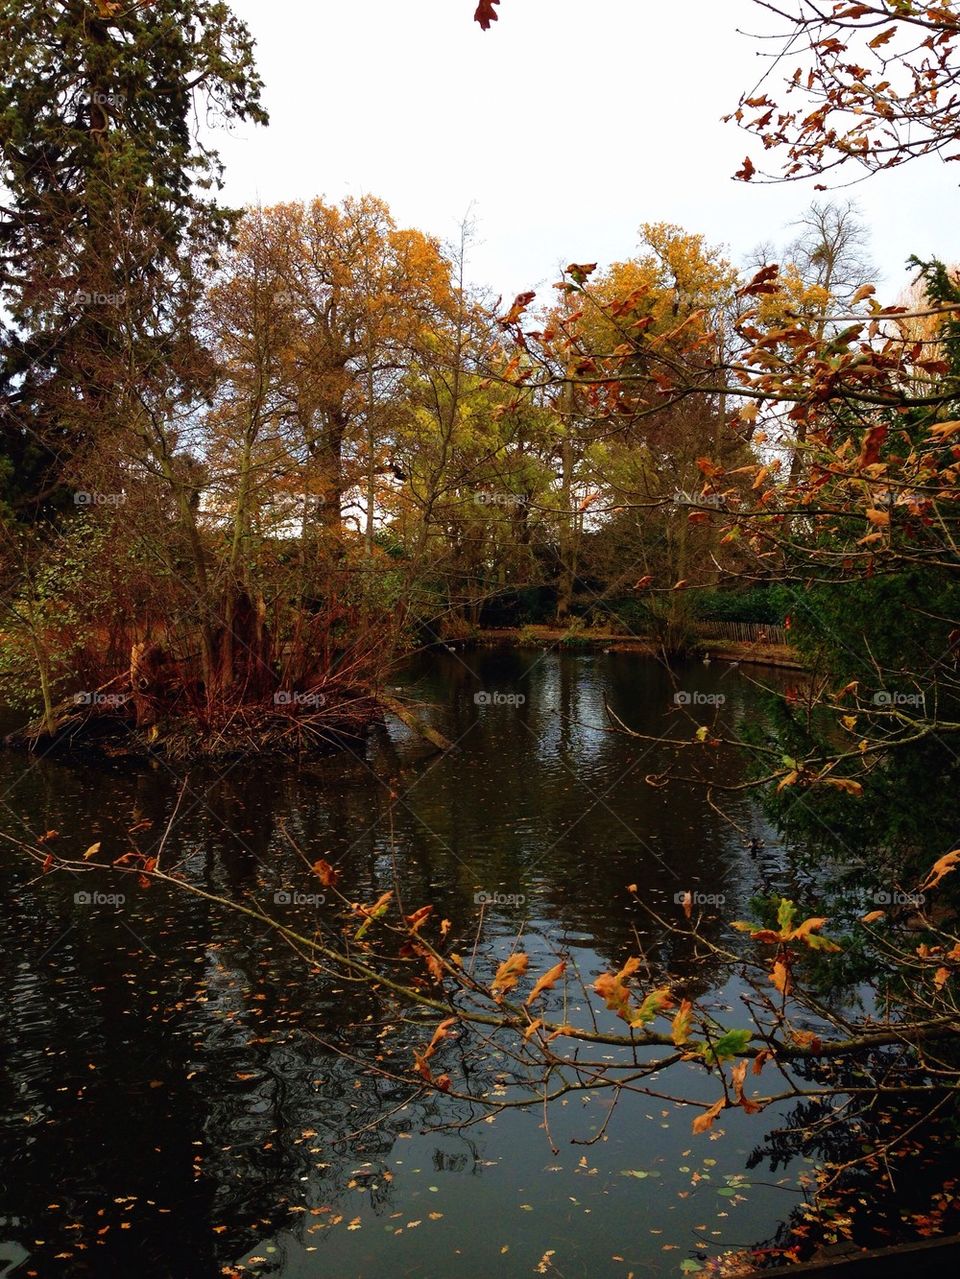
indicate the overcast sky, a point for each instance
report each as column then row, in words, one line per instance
column 563, row 128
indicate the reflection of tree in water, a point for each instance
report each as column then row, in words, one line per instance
column 177, row 1090
column 863, row 1189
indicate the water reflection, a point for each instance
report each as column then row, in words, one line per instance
column 183, row 1094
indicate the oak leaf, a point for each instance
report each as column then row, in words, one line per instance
column 509, row 973
column 940, row 869
column 547, row 981
column 704, row 1122
column 486, row 13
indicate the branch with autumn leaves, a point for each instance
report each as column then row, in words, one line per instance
column 554, row 1042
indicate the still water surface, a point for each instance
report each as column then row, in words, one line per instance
column 178, row 1095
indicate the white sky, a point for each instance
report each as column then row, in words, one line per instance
column 564, row 127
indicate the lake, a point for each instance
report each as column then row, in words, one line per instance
column 184, row 1095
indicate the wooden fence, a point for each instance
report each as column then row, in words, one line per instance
column 742, row 632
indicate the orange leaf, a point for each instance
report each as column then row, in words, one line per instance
column 680, row 1030
column 807, row 1039
column 509, row 973
column 704, row 1122
column 941, row 868
column 872, row 443
column 520, row 303
column 547, row 981
column 738, row 1075
column 882, row 38
column 814, row 924
column 763, row 1056
column 612, row 989
column 781, row 977
column 846, row 784
column 419, row 918
column 329, row 876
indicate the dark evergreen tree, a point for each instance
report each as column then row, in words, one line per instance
column 107, row 209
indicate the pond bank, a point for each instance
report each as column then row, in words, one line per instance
column 723, row 650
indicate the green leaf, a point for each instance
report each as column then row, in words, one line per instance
column 786, row 915
column 731, row 1044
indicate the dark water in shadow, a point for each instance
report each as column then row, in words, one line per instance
column 180, row 1094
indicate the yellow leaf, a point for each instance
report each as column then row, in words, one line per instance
column 943, row 429
column 91, row 852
